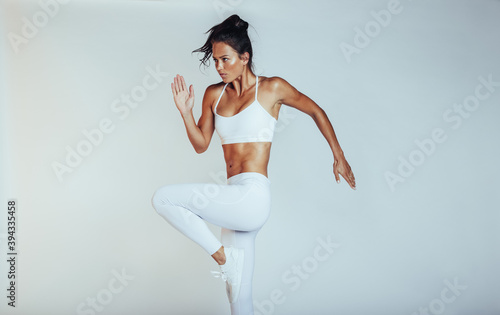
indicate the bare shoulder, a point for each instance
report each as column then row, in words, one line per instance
column 214, row 89
column 280, row 89
column 272, row 83
column 212, row 93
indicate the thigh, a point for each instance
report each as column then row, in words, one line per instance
column 236, row 207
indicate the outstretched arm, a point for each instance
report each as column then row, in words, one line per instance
column 199, row 134
column 290, row 96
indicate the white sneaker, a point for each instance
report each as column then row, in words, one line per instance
column 231, row 272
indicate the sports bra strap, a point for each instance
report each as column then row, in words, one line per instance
column 252, row 124
column 220, row 96
column 216, row 104
column 256, row 86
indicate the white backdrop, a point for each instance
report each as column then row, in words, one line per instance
column 89, row 132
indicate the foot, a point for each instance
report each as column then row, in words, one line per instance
column 219, row 256
column 231, row 272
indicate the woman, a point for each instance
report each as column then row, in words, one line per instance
column 243, row 108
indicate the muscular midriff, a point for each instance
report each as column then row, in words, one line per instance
column 246, row 157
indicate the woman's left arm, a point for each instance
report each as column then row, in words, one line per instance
column 290, row 96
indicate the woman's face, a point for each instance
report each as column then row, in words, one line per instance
column 227, row 61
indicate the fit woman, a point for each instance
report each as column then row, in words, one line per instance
column 243, row 108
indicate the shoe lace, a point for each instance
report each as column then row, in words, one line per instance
column 219, row 274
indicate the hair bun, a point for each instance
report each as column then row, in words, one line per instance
column 233, row 32
column 238, row 22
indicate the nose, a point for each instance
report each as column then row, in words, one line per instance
column 218, row 66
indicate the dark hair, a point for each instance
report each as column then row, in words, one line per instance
column 233, row 32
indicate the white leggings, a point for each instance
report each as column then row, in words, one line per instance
column 240, row 208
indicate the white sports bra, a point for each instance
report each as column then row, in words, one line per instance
column 252, row 124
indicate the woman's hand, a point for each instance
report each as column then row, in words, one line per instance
column 183, row 99
column 340, row 166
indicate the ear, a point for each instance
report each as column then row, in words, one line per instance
column 245, row 57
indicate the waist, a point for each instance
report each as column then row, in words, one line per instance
column 248, row 177
column 246, row 157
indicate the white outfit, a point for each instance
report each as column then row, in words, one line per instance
column 240, row 208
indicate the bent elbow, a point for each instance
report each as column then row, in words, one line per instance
column 318, row 113
column 201, row 149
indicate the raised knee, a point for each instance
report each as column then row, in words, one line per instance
column 160, row 197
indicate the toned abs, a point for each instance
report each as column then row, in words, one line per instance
column 246, row 157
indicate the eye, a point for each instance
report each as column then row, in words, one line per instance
column 225, row 59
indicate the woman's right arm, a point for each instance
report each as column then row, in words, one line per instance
column 199, row 134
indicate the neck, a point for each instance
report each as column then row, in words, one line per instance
column 244, row 82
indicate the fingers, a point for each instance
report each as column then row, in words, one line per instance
column 351, row 180
column 346, row 173
column 183, row 84
column 191, row 91
column 337, row 177
column 179, row 85
column 175, row 86
column 336, row 173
